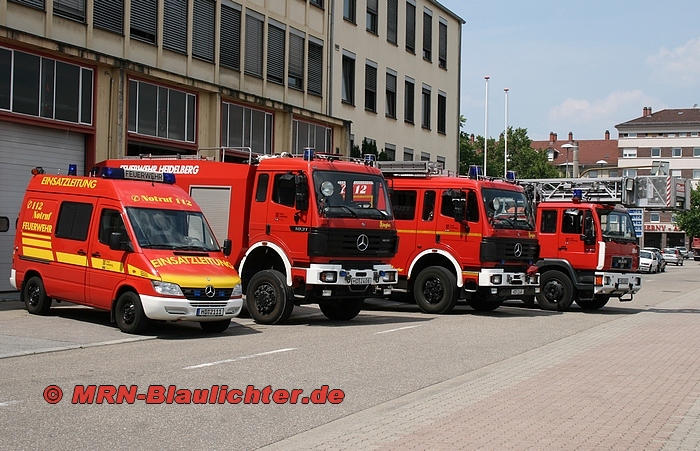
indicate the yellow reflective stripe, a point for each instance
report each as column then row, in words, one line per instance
column 33, row 252
column 107, row 265
column 201, row 281
column 138, row 272
column 36, row 235
column 36, row 243
column 71, row 259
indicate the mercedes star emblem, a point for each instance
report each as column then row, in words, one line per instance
column 362, row 242
column 518, row 250
column 209, row 291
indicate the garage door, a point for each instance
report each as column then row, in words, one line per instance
column 23, row 147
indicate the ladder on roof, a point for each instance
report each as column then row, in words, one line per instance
column 410, row 168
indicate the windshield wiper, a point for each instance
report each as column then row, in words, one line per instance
column 159, row 246
column 189, row 247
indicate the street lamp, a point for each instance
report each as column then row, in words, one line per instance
column 505, row 153
column 567, row 146
column 486, row 121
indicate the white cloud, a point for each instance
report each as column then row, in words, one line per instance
column 681, row 64
column 609, row 108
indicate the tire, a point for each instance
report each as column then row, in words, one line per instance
column 215, row 326
column 484, row 306
column 35, row 299
column 129, row 314
column 596, row 303
column 268, row 298
column 435, row 290
column 342, row 310
column 556, row 292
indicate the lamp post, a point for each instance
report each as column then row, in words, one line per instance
column 505, row 154
column 486, row 121
column 567, row 146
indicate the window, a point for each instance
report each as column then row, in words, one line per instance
column 109, row 15
column 372, row 9
column 442, row 44
column 572, row 221
column 676, row 173
column 427, row 35
column 371, row 86
column 425, row 107
column 424, row 156
column 392, row 17
column 203, row 24
column 71, row 9
column 318, row 3
column 283, row 189
column 403, row 204
column 390, row 150
column 144, row 14
column 275, row 51
column 629, row 172
column 348, row 94
column 175, row 25
column 656, row 152
column 261, row 191
column 677, row 152
column 111, row 222
column 391, row 94
column 43, row 87
column 310, row 135
column 629, row 152
column 315, row 69
column 696, row 152
column 654, row 217
column 442, row 112
column 253, row 44
column 549, row 221
column 73, row 221
column 35, row 3
column 295, row 73
column 349, row 10
column 409, row 97
column 246, row 127
column 230, row 36
column 441, row 162
column 407, row 154
column 410, row 26
column 161, row 112
column 428, row 206
column 696, row 173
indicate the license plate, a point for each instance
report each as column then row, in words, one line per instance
column 515, row 291
column 361, row 281
column 623, row 281
column 210, row 312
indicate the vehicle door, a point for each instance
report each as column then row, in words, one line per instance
column 106, row 267
column 572, row 245
column 458, row 230
column 409, row 225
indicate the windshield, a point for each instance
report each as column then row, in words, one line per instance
column 351, row 195
column 645, row 254
column 617, row 225
column 508, row 209
column 171, row 229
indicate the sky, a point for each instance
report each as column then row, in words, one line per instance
column 575, row 66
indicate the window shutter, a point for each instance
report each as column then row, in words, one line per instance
column 275, row 53
column 253, row 46
column 443, row 45
column 72, row 9
column 230, row 53
column 410, row 27
column 109, row 15
column 392, row 18
column 203, row 23
column 370, row 78
column 175, row 25
column 427, row 36
column 143, row 20
column 296, row 57
column 315, row 83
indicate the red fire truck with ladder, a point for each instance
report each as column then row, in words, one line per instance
column 589, row 248
column 305, row 229
column 460, row 237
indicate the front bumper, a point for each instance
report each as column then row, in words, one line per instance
column 180, row 309
column 617, row 284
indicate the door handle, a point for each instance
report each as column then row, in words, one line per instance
column 437, row 238
column 96, row 254
column 563, row 248
column 82, row 252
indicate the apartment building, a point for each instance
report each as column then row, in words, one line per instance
column 671, row 136
column 396, row 77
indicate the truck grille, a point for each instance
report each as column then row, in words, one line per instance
column 199, row 294
column 497, row 249
column 352, row 243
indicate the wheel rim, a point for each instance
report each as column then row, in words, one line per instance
column 265, row 299
column 33, row 295
column 433, row 290
column 553, row 291
column 129, row 312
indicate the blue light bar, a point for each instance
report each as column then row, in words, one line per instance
column 511, row 176
column 475, row 172
column 72, row 169
column 308, row 154
column 578, row 194
column 131, row 174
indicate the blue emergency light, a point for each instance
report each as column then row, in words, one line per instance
column 475, row 171
column 369, row 159
column 72, row 169
column 578, row 194
column 511, row 176
column 132, row 174
column 308, row 154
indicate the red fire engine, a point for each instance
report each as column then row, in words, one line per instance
column 311, row 229
column 461, row 237
column 588, row 242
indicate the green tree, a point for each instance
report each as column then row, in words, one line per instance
column 689, row 221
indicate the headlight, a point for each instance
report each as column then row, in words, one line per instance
column 237, row 290
column 167, row 288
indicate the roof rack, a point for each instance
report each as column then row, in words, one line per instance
column 411, row 168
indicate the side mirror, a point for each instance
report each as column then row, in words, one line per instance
column 301, row 191
column 227, row 247
column 459, row 209
column 588, row 235
column 116, row 242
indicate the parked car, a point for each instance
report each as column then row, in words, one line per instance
column 659, row 257
column 673, row 255
column 648, row 262
column 684, row 251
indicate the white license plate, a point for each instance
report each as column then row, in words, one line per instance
column 515, row 291
column 623, row 281
column 210, row 311
column 361, row 281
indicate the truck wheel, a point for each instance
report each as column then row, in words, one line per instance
column 484, row 306
column 215, row 326
column 556, row 292
column 268, row 298
column 529, row 301
column 594, row 304
column 35, row 299
column 435, row 290
column 342, row 310
column 129, row 314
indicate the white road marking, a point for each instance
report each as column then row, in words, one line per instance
column 245, row 357
column 8, row 403
column 394, row 330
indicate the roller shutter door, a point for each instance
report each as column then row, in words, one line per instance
column 23, row 147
